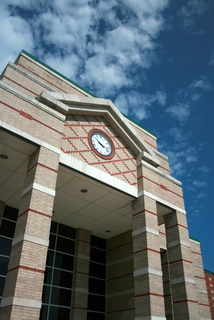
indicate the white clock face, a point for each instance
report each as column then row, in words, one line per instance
column 101, row 143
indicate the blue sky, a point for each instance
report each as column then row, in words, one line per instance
column 153, row 58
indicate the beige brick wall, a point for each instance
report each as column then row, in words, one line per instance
column 75, row 143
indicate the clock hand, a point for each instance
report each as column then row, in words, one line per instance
column 100, row 143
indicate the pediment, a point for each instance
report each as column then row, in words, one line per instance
column 82, row 105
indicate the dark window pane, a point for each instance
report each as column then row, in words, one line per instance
column 5, row 246
column 2, row 281
column 96, row 303
column 67, row 231
column 46, row 294
column 61, row 296
column 48, row 275
column 44, row 313
column 53, row 227
column 98, row 255
column 52, row 240
column 10, row 213
column 63, row 261
column 50, row 258
column 95, row 316
column 98, row 242
column 97, row 286
column 62, row 278
column 97, row 270
column 57, row 313
column 65, row 245
column 3, row 265
column 7, row 228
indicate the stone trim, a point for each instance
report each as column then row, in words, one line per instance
column 30, row 238
column 143, row 230
column 146, row 271
column 168, row 204
column 23, row 302
column 182, row 279
column 178, row 242
column 39, row 187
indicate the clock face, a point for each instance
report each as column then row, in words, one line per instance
column 101, row 144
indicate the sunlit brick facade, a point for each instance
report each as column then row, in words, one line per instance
column 92, row 226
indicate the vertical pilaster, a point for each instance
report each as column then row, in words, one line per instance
column 167, row 286
column 80, row 287
column 183, row 285
column 2, row 205
column 24, row 282
column 149, row 300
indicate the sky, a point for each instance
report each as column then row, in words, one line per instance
column 153, row 58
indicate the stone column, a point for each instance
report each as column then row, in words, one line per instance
column 24, row 283
column 148, row 284
column 81, row 275
column 2, row 205
column 183, row 285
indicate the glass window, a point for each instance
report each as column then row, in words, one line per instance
column 2, row 281
column 97, row 286
column 64, row 261
column 5, row 246
column 97, row 270
column 65, row 245
column 10, row 213
column 61, row 296
column 62, row 278
column 66, row 231
column 57, row 313
column 98, row 242
column 96, row 303
column 46, row 294
column 53, row 227
column 48, row 275
column 52, row 241
column 50, row 258
column 95, row 316
column 98, row 255
column 7, row 228
column 3, row 265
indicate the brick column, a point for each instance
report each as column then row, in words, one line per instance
column 81, row 275
column 148, row 284
column 24, row 283
column 182, row 280
column 2, row 205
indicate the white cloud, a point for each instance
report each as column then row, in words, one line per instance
column 180, row 112
column 211, row 62
column 105, row 40
column 199, row 183
column 138, row 105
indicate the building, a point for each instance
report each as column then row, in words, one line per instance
column 209, row 277
column 92, row 224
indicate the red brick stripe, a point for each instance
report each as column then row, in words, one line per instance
column 146, row 249
column 124, row 244
column 26, row 268
column 149, row 294
column 122, row 310
column 175, row 225
column 20, row 86
column 181, row 301
column 123, row 276
column 144, row 211
column 184, row 260
column 160, row 185
column 34, row 211
column 42, row 165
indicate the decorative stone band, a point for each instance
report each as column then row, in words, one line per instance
column 140, row 272
column 120, row 293
column 182, row 279
column 202, row 291
column 150, row 318
column 206, row 319
column 81, row 290
column 30, row 238
column 143, row 230
column 168, row 204
column 198, row 265
column 23, row 302
column 178, row 242
column 82, row 256
column 39, row 187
